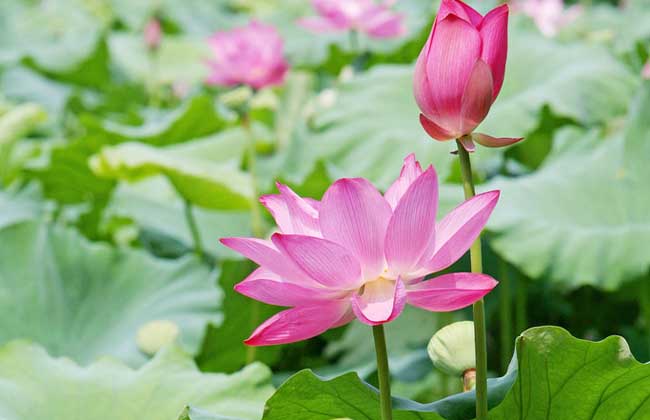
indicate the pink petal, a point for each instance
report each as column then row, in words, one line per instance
column 267, row 255
column 455, row 47
column 477, row 98
column 380, row 22
column 411, row 169
column 411, row 228
column 459, row 9
column 319, row 25
column 467, row 144
column 291, row 212
column 381, row 301
column 494, row 33
column 266, row 286
column 421, row 87
column 299, row 323
column 355, row 215
column 326, row 262
column 435, row 131
column 450, row 292
column 456, row 232
column 489, row 141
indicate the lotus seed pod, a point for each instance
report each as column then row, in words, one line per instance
column 155, row 335
column 451, row 349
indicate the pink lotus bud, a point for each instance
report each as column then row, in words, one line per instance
column 460, row 70
column 152, row 34
column 252, row 55
column 374, row 19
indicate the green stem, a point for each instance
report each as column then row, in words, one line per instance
column 505, row 315
column 521, row 305
column 194, row 230
column 354, row 42
column 257, row 227
column 251, row 157
column 480, row 345
column 382, row 372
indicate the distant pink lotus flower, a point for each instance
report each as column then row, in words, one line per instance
column 376, row 20
column 252, row 55
column 460, row 70
column 359, row 254
column 549, row 15
column 152, row 34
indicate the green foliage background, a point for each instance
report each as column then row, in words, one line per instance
column 106, row 147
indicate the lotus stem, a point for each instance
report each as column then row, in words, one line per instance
column 505, row 315
column 521, row 305
column 382, row 372
column 257, row 228
column 194, row 230
column 480, row 345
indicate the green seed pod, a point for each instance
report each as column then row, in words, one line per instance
column 451, row 349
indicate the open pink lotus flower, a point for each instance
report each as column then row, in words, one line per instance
column 459, row 72
column 374, row 19
column 359, row 254
column 252, row 55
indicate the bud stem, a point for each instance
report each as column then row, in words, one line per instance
column 382, row 372
column 480, row 346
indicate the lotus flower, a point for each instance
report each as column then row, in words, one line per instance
column 374, row 19
column 358, row 253
column 549, row 15
column 459, row 72
column 645, row 72
column 152, row 34
column 252, row 55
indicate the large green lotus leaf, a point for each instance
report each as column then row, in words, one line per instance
column 582, row 218
column 57, row 36
column 22, row 84
column 18, row 121
column 16, row 207
column 562, row 377
column 67, row 178
column 204, row 172
column 37, row 386
column 619, row 27
column 370, row 128
column 552, row 376
column 179, row 58
column 373, row 123
column 156, row 209
column 196, row 117
column 580, row 81
column 84, row 300
column 223, row 349
column 15, row 123
column 307, row 396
